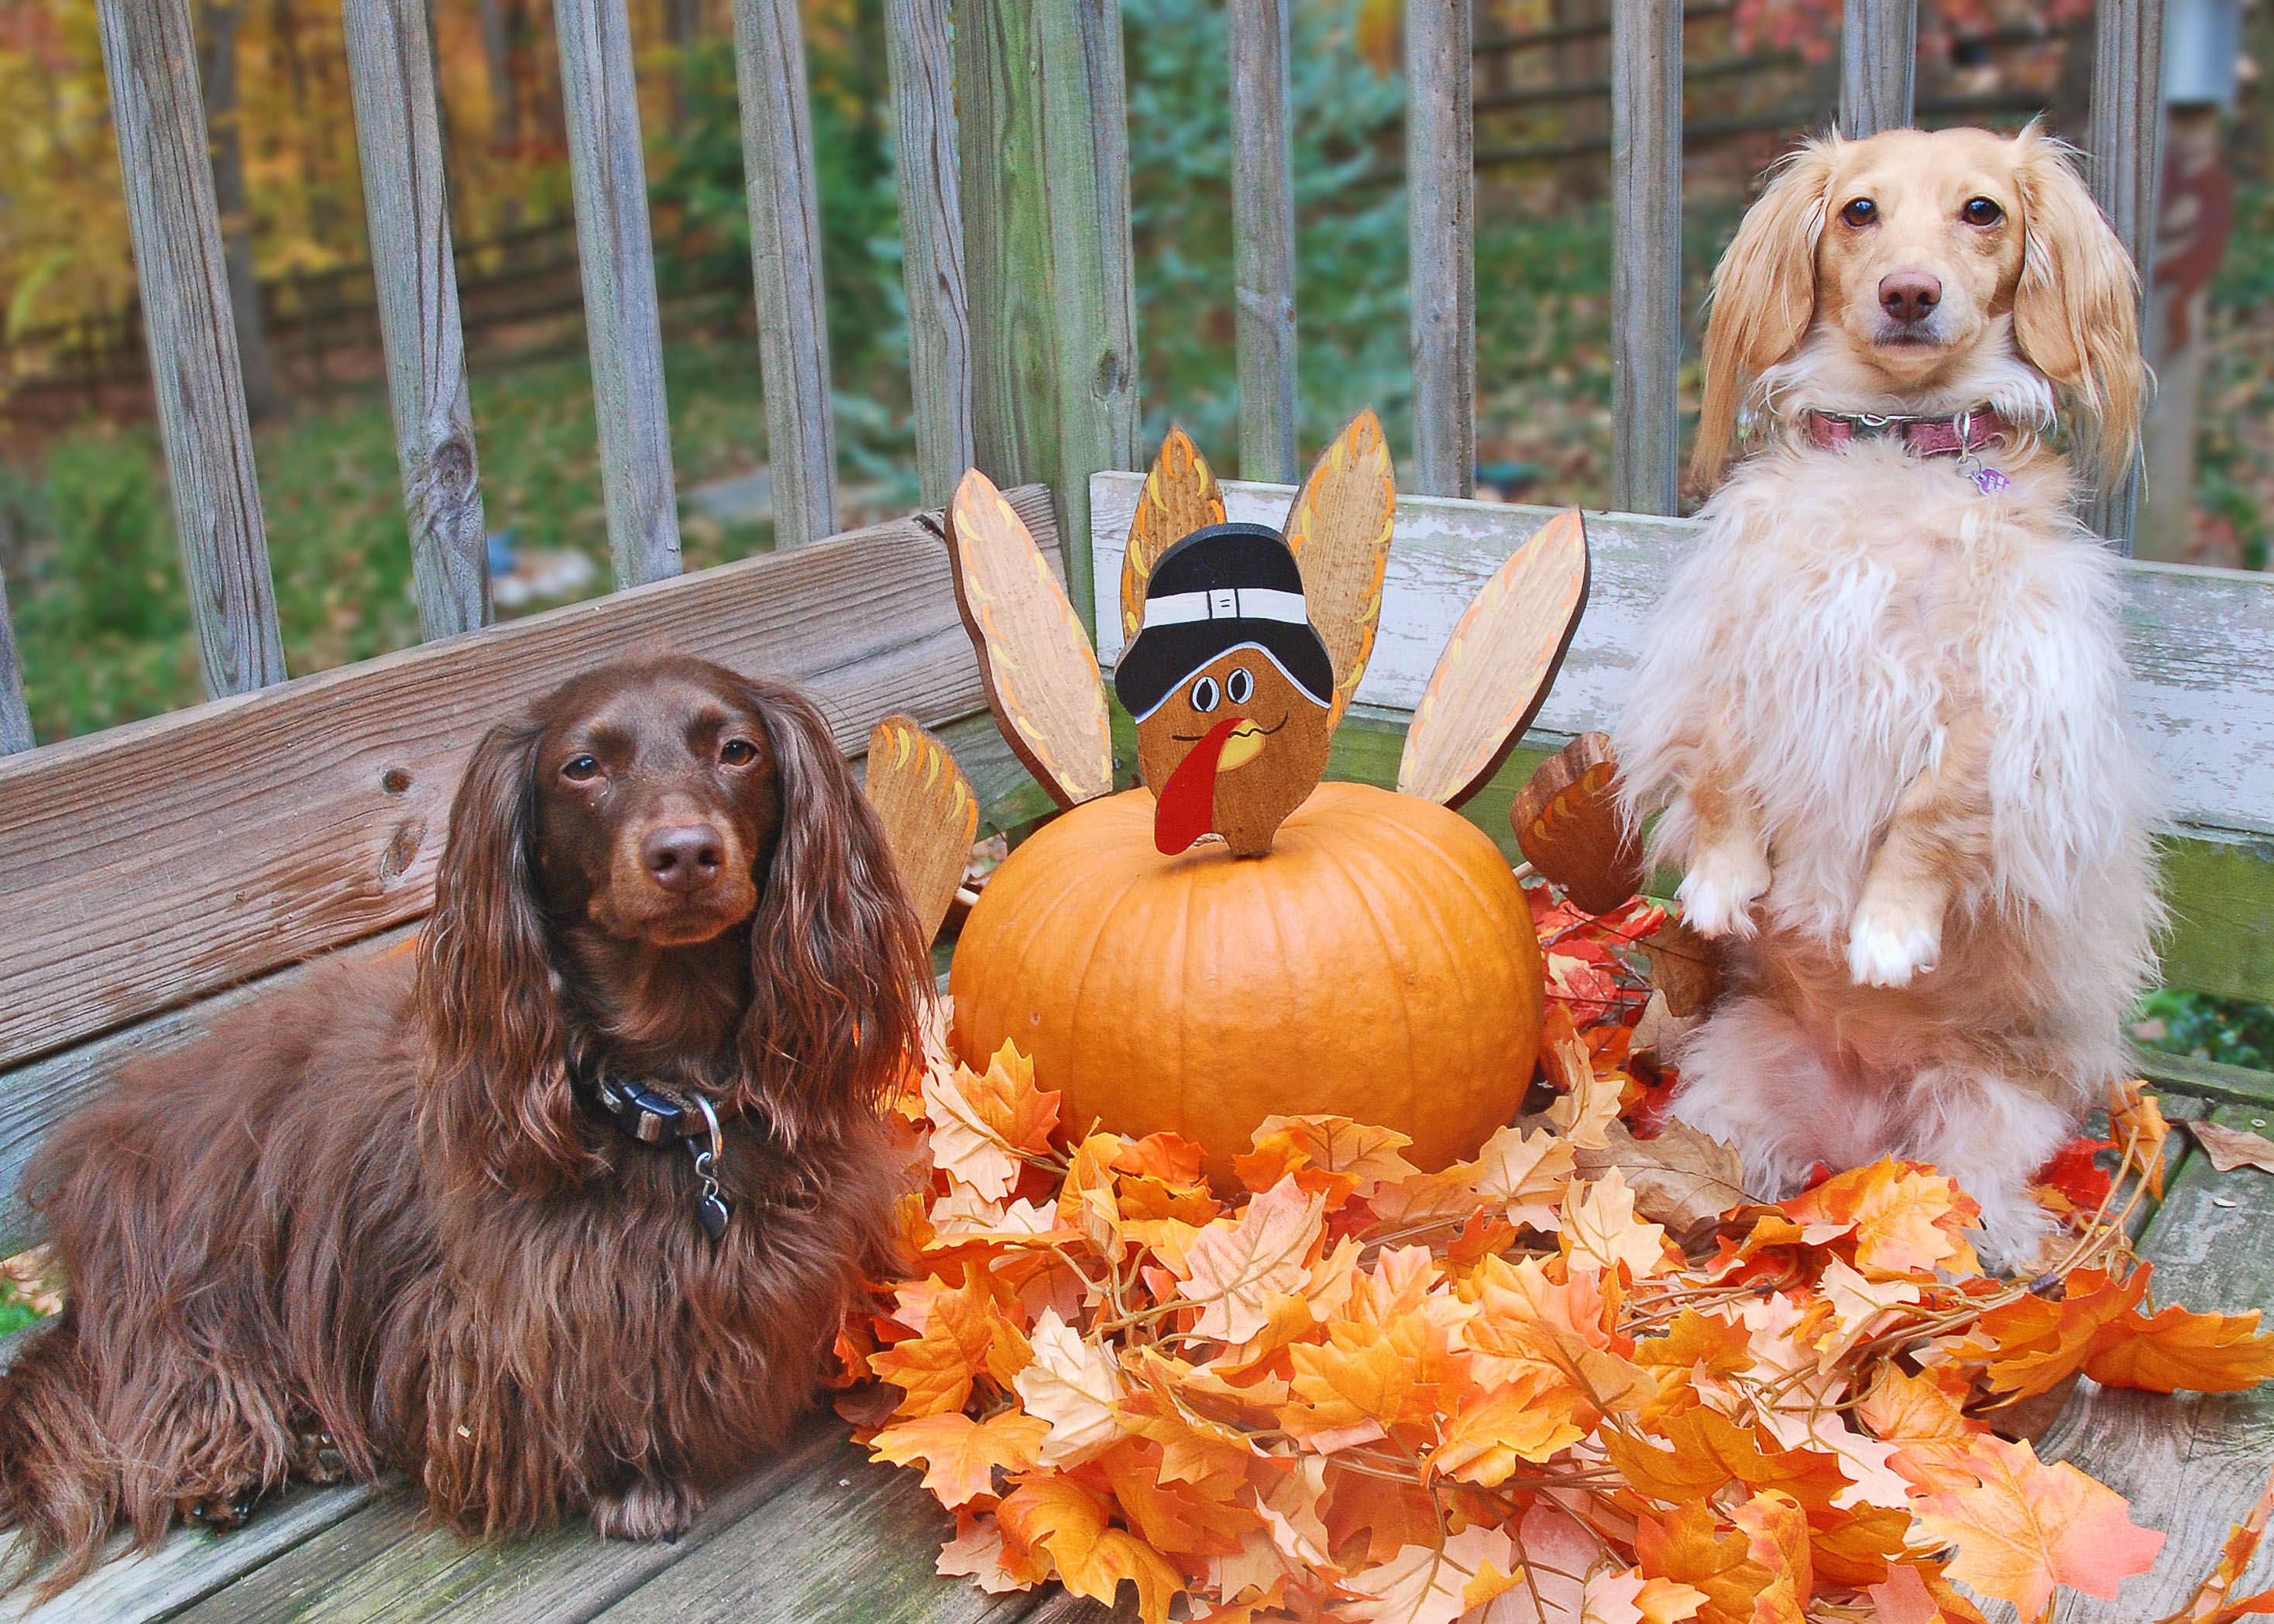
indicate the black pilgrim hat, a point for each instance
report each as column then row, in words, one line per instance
column 1220, row 589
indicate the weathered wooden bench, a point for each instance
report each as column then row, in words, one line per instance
column 150, row 875
column 158, row 871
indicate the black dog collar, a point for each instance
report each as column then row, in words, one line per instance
column 654, row 1115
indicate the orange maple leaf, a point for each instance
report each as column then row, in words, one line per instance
column 2026, row 1527
column 935, row 1369
column 2031, row 1344
column 1238, row 1266
column 1369, row 1381
column 1707, row 1451
column 1529, row 1418
column 980, row 1119
column 1435, row 1583
column 1931, row 1435
column 1068, row 1523
column 2214, row 1601
column 961, row 1455
column 1776, row 1540
column 1904, row 1218
column 2176, row 1350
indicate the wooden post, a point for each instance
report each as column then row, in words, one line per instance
column 1879, row 62
column 1043, row 134
column 15, row 715
column 786, row 264
column 623, row 326
column 1263, row 238
column 1645, row 255
column 919, row 56
column 1441, row 235
column 398, row 135
column 2127, row 79
column 179, row 259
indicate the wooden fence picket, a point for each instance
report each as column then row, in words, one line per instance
column 2127, row 151
column 1646, row 256
column 1878, row 65
column 15, row 717
column 150, row 57
column 920, row 58
column 623, row 326
column 786, row 265
column 1263, row 238
column 399, row 140
column 1441, row 238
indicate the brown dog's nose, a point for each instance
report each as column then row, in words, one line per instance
column 1910, row 295
column 683, row 857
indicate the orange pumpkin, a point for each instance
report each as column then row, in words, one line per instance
column 1378, row 962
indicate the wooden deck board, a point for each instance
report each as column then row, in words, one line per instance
column 2191, row 1464
column 190, row 1565
column 854, row 1543
column 382, row 1565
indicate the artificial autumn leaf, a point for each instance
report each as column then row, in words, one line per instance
column 935, row 1369
column 979, row 1119
column 1706, row 1451
column 1776, row 1541
column 1529, row 1418
column 977, row 1553
column 961, row 1455
column 1589, row 1102
column 1524, row 1175
column 1904, row 1218
column 2176, row 1350
column 1931, row 1433
column 1600, row 1229
column 1073, row 1385
column 1688, row 1547
column 1435, row 1584
column 1339, row 1154
column 1198, row 1518
column 1368, row 1381
column 2026, row 1527
column 2076, row 1173
column 1066, row 1522
column 1238, row 1266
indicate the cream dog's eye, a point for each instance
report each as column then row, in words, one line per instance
column 1861, row 212
column 1981, row 212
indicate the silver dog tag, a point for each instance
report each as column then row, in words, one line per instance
column 711, row 1208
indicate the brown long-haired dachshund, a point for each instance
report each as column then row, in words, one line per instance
column 468, row 1215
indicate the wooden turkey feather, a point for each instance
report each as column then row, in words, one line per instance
column 929, row 811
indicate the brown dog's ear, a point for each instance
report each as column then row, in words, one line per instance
column 496, row 1095
column 836, row 963
column 1764, row 296
column 2076, row 308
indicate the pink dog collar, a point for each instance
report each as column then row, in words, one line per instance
column 1958, row 436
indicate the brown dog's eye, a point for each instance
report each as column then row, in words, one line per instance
column 580, row 769
column 1981, row 212
column 1860, row 212
column 738, row 752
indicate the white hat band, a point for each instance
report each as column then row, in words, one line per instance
column 1227, row 603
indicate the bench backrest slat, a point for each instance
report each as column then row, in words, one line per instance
column 2203, row 691
column 623, row 328
column 150, row 56
column 151, row 865
column 399, row 139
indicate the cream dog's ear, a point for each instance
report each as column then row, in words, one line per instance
column 1763, row 296
column 2076, row 308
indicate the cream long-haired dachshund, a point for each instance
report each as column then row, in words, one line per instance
column 1883, row 705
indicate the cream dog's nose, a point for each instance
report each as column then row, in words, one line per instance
column 1910, row 295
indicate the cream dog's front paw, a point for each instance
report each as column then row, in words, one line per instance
column 1889, row 945
column 1718, row 893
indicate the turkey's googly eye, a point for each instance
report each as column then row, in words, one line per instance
column 1239, row 687
column 1205, row 694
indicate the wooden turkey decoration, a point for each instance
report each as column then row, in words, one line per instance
column 1238, row 939
column 1244, row 644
